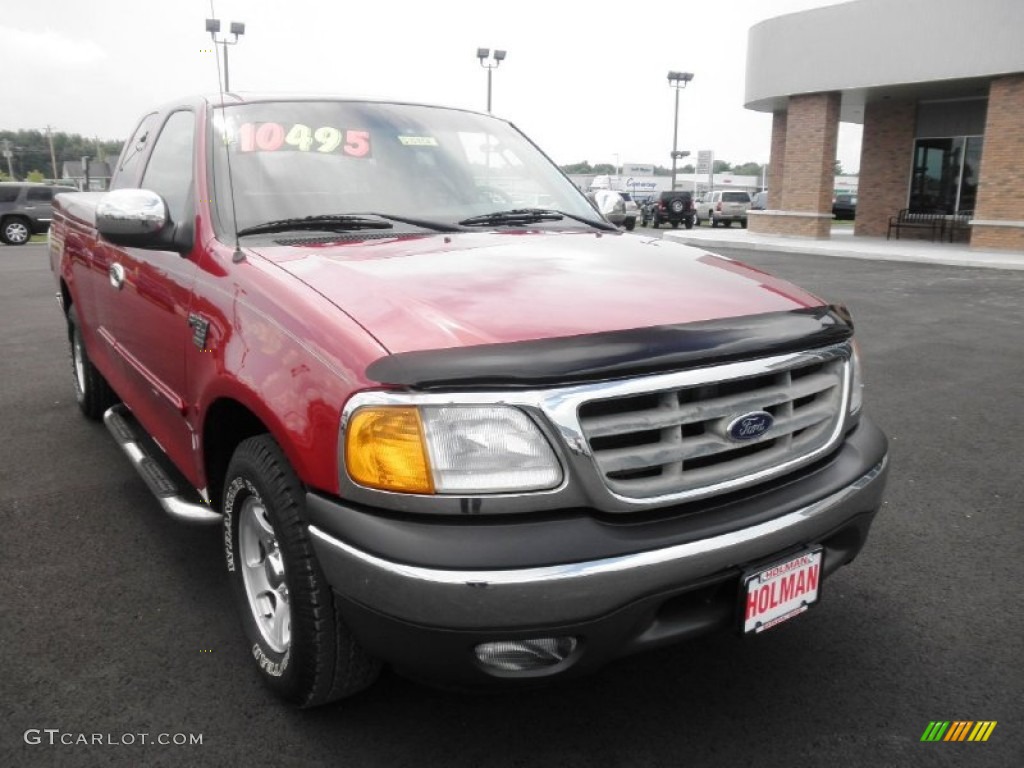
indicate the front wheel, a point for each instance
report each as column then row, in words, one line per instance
column 92, row 392
column 15, row 231
column 302, row 648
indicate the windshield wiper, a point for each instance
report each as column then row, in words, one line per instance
column 528, row 216
column 438, row 226
column 333, row 223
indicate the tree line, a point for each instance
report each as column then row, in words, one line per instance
column 30, row 152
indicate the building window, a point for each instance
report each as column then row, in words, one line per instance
column 945, row 175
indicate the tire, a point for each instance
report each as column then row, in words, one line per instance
column 15, row 231
column 676, row 206
column 743, row 223
column 92, row 392
column 630, row 224
column 689, row 223
column 301, row 647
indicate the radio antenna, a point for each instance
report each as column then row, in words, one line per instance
column 213, row 26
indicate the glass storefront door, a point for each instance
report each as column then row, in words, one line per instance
column 945, row 175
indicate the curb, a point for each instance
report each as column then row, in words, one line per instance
column 1013, row 260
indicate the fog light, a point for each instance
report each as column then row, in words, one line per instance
column 525, row 655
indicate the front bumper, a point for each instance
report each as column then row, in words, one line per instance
column 412, row 594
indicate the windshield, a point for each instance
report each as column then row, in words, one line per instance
column 292, row 160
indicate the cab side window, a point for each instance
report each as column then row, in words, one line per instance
column 129, row 163
column 169, row 172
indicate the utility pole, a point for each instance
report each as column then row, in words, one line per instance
column 237, row 28
column 8, row 154
column 677, row 80
column 499, row 56
column 53, row 155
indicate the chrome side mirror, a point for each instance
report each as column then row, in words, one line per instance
column 136, row 214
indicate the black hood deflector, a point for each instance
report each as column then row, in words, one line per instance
column 615, row 354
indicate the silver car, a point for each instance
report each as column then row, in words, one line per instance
column 611, row 205
column 632, row 211
column 724, row 207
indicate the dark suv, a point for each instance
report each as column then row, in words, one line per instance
column 25, row 210
column 845, row 207
column 670, row 207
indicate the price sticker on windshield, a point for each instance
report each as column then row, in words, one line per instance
column 417, row 141
column 275, row 137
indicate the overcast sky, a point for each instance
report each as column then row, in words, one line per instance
column 586, row 81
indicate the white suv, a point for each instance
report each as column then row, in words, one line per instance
column 724, row 207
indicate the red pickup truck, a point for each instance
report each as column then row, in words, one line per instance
column 448, row 418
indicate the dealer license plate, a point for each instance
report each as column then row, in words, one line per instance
column 781, row 591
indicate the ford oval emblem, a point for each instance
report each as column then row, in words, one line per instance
column 750, row 426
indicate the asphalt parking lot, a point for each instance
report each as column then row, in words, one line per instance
column 117, row 621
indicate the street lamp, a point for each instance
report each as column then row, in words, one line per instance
column 499, row 56
column 677, row 80
column 237, row 28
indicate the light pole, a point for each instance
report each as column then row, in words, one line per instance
column 237, row 28
column 677, row 80
column 499, row 56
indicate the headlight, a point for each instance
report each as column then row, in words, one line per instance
column 449, row 449
column 856, row 381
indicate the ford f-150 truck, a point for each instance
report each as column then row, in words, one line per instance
column 440, row 427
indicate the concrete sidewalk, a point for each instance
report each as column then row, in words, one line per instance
column 845, row 245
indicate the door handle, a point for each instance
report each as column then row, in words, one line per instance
column 116, row 273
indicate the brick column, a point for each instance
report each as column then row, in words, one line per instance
column 805, row 198
column 886, row 153
column 777, row 160
column 999, row 216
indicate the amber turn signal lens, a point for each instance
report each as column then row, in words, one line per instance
column 384, row 448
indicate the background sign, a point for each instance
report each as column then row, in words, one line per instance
column 637, row 169
column 705, row 161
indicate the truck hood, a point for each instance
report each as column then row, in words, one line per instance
column 443, row 291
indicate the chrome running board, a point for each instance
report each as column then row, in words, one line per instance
column 175, row 501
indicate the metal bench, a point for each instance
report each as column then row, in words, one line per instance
column 959, row 224
column 935, row 223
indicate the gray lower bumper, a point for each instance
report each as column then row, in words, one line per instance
column 560, row 594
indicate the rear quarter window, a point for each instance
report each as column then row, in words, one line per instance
column 39, row 194
column 8, row 194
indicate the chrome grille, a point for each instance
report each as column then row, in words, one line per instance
column 675, row 441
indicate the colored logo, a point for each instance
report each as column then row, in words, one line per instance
column 958, row 730
column 750, row 426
